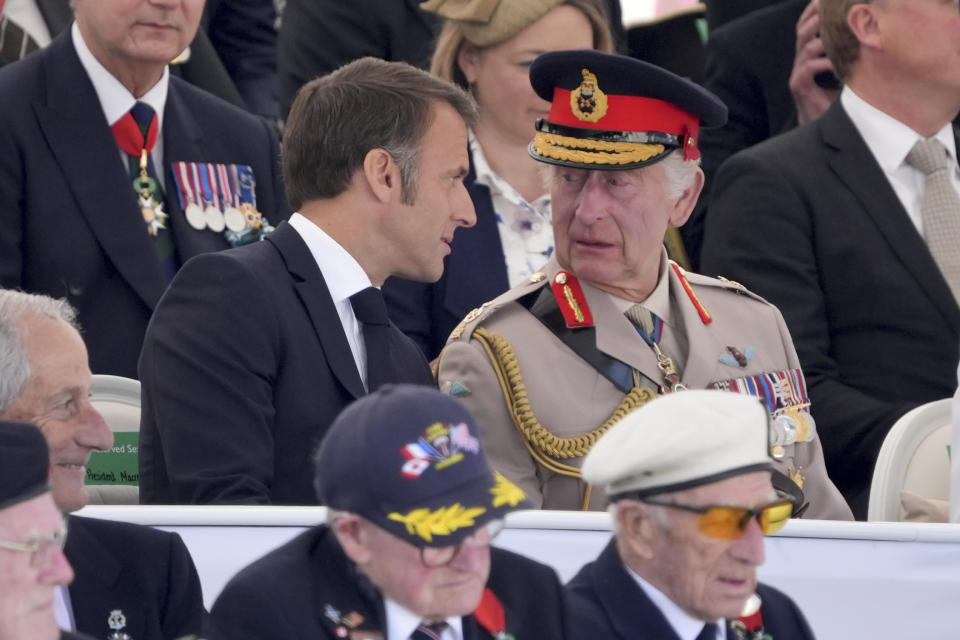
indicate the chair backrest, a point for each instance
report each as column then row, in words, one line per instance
column 914, row 457
column 113, row 476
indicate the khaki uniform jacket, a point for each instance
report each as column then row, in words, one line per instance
column 569, row 397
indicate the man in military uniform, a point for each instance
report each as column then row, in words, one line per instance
column 691, row 509
column 609, row 322
column 413, row 506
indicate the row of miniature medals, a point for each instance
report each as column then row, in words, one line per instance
column 219, row 197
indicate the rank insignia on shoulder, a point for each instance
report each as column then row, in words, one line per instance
column 735, row 357
column 573, row 305
column 705, row 316
column 539, row 276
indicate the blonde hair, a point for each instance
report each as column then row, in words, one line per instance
column 451, row 40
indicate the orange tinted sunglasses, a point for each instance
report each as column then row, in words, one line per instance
column 729, row 523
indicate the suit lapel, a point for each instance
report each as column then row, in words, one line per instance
column 313, row 292
column 471, row 247
column 74, row 127
column 96, row 569
column 632, row 615
column 854, row 164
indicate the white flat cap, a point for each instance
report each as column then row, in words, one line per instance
column 681, row 440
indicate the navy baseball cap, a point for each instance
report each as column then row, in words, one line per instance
column 24, row 463
column 614, row 112
column 408, row 459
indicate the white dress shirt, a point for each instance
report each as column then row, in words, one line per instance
column 344, row 277
column 685, row 626
column 889, row 140
column 116, row 100
column 401, row 622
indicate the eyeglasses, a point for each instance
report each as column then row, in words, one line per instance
column 434, row 557
column 39, row 548
column 729, row 523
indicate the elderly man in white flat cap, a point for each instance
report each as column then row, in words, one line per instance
column 688, row 477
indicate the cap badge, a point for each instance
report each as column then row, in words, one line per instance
column 587, row 101
column 441, row 445
column 442, row 522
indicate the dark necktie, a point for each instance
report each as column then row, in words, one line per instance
column 709, row 632
column 15, row 43
column 371, row 311
column 429, row 631
column 136, row 134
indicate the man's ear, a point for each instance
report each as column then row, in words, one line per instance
column 635, row 523
column 862, row 20
column 683, row 207
column 353, row 537
column 382, row 175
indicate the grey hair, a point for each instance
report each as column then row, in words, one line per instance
column 15, row 306
column 678, row 174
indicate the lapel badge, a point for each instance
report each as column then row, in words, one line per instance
column 736, row 358
column 570, row 299
column 117, row 622
column 587, row 101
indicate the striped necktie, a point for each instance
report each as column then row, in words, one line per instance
column 429, row 631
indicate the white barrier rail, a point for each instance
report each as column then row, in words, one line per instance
column 853, row 580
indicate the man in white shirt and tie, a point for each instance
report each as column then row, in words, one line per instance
column 851, row 224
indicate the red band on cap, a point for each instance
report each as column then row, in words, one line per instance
column 628, row 113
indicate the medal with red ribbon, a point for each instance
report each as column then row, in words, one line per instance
column 130, row 138
column 491, row 616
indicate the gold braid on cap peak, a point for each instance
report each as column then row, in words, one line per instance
column 543, row 445
column 552, row 145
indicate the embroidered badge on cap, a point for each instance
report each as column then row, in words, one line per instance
column 427, row 523
column 587, row 101
column 441, row 445
column 505, row 492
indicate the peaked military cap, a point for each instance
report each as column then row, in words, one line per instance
column 614, row 112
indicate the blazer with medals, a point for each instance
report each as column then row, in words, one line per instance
column 70, row 224
column 810, row 221
column 245, row 365
column 563, row 395
column 606, row 602
column 308, row 588
column 144, row 573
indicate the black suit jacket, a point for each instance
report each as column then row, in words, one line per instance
column 245, row 365
column 475, row 271
column 749, row 62
column 606, row 603
column 809, row 221
column 318, row 36
column 70, row 225
column 285, row 595
column 146, row 573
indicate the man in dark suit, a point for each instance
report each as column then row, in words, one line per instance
column 252, row 353
column 763, row 66
column 829, row 223
column 413, row 506
column 690, row 509
column 71, row 222
column 139, row 579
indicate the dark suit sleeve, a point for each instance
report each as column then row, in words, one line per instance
column 11, row 210
column 243, row 33
column 207, row 370
column 253, row 611
column 760, row 232
column 183, row 611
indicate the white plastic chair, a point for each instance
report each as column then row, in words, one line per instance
column 118, row 401
column 914, row 457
